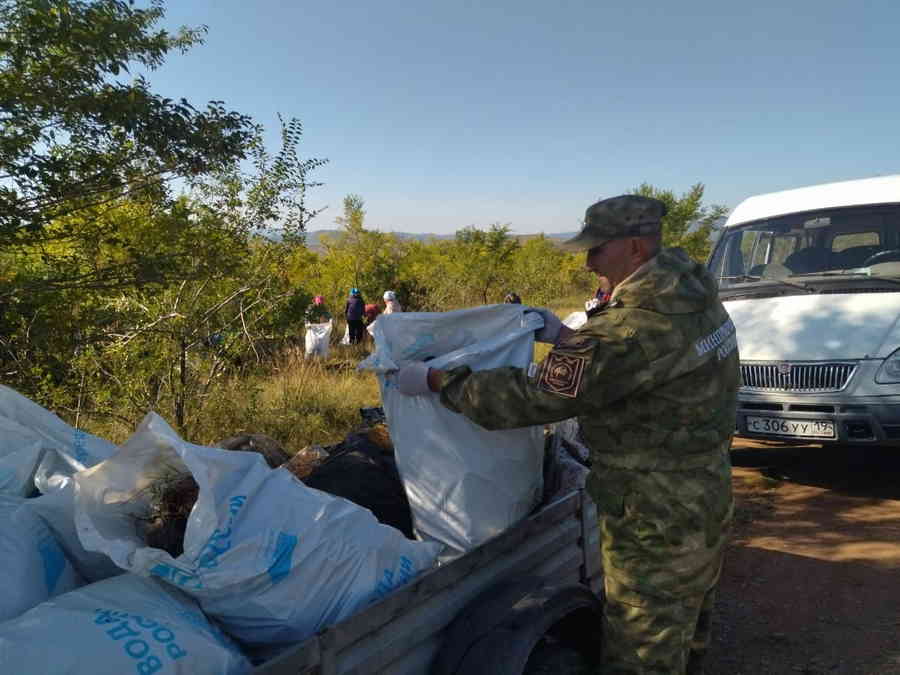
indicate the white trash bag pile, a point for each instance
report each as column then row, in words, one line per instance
column 125, row 624
column 270, row 559
column 266, row 561
column 465, row 484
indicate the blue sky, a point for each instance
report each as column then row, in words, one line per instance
column 456, row 113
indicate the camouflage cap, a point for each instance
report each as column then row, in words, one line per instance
column 618, row 217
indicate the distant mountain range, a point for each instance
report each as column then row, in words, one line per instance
column 313, row 237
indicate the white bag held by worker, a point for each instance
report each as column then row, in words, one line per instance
column 317, row 338
column 465, row 484
column 271, row 559
column 34, row 566
column 127, row 624
column 74, row 448
column 346, row 339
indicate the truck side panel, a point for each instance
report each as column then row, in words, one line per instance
column 401, row 634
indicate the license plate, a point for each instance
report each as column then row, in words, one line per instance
column 785, row 427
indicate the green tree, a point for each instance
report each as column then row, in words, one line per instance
column 231, row 302
column 485, row 256
column 354, row 214
column 75, row 136
column 688, row 223
column 542, row 273
column 178, row 294
column 352, row 236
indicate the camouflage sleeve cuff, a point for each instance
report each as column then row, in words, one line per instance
column 456, row 376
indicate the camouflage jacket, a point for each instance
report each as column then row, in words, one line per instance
column 652, row 378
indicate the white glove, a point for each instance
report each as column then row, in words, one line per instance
column 552, row 325
column 412, row 379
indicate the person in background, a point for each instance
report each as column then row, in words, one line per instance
column 371, row 313
column 354, row 311
column 600, row 300
column 512, row 299
column 391, row 305
column 317, row 312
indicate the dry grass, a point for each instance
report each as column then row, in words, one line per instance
column 298, row 403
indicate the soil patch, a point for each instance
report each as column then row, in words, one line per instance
column 812, row 579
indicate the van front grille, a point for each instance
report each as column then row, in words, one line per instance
column 808, row 378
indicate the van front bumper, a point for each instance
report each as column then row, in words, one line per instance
column 871, row 420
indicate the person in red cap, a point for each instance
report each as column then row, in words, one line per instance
column 317, row 312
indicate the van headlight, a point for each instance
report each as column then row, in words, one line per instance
column 889, row 372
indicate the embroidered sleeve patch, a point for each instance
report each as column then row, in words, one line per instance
column 561, row 374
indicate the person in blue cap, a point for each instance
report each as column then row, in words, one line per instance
column 354, row 311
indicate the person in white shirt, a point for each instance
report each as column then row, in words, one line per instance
column 390, row 303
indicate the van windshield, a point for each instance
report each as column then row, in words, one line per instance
column 807, row 252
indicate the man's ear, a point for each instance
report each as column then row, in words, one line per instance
column 637, row 251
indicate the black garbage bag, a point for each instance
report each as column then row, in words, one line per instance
column 373, row 416
column 365, row 473
column 268, row 447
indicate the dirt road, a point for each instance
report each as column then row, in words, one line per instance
column 812, row 579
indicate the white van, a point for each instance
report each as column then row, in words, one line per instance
column 811, row 278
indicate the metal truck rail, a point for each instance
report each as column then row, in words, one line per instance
column 481, row 613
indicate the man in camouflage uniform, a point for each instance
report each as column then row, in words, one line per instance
column 653, row 380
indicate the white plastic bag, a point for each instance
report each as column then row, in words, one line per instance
column 575, row 320
column 21, row 451
column 17, row 471
column 57, row 510
column 271, row 559
column 34, row 566
column 20, row 455
column 317, row 338
column 73, row 448
column 38, row 449
column 127, row 624
column 570, row 458
column 465, row 484
column 346, row 339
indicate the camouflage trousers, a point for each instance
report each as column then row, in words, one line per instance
column 662, row 537
column 643, row 635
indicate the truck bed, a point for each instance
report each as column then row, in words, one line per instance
column 401, row 633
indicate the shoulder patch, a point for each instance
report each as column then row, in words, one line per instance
column 562, row 373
